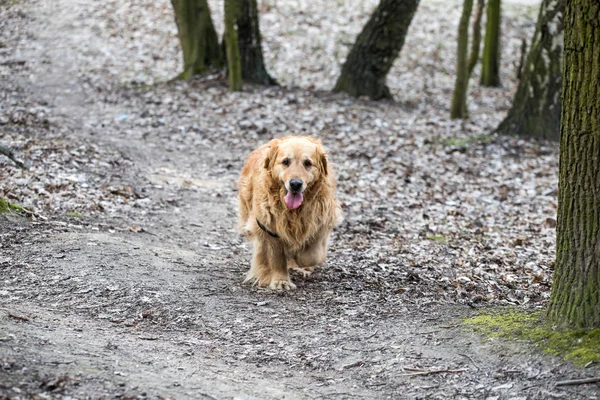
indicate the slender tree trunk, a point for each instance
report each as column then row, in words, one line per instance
column 234, row 67
column 375, row 50
column 459, row 97
column 575, row 299
column 522, row 59
column 536, row 108
column 476, row 43
column 197, row 36
column 249, row 40
column 490, row 61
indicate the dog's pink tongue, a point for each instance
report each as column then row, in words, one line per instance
column 293, row 200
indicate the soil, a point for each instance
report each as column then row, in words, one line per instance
column 137, row 293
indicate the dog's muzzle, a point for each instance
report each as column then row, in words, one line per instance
column 296, row 185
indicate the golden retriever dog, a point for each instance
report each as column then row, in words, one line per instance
column 287, row 209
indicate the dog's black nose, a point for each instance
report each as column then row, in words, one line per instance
column 295, row 185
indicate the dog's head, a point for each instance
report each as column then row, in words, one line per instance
column 296, row 164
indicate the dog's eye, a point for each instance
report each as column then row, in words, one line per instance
column 307, row 163
column 286, row 162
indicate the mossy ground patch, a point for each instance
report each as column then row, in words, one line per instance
column 577, row 346
column 5, row 206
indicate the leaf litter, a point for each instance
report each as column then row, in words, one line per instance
column 434, row 208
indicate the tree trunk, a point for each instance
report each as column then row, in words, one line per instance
column 249, row 40
column 575, row 300
column 536, row 108
column 476, row 43
column 522, row 59
column 375, row 50
column 197, row 36
column 490, row 61
column 459, row 97
column 234, row 67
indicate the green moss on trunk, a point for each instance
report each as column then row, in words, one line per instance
column 490, row 61
column 575, row 299
column 376, row 47
column 459, row 96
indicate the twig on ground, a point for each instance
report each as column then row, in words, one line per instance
column 354, row 364
column 323, row 378
column 7, row 151
column 19, row 317
column 413, row 369
column 578, row 381
column 469, row 357
column 436, row 371
column 60, row 362
column 373, row 334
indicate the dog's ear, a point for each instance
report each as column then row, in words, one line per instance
column 321, row 154
column 324, row 165
column 271, row 153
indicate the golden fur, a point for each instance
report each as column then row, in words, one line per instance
column 304, row 231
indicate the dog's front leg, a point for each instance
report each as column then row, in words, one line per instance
column 315, row 254
column 280, row 276
column 292, row 265
column 269, row 266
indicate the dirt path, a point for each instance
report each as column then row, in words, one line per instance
column 146, row 301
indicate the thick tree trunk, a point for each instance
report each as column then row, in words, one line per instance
column 536, row 108
column 575, row 300
column 249, row 40
column 375, row 50
column 476, row 42
column 490, row 61
column 197, row 36
column 234, row 67
column 459, row 97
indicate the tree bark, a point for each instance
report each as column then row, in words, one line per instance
column 536, row 108
column 575, row 299
column 459, row 96
column 197, row 36
column 234, row 67
column 476, row 43
column 250, row 45
column 376, row 47
column 490, row 61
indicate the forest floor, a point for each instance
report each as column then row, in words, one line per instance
column 126, row 279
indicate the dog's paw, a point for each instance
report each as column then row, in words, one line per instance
column 281, row 285
column 303, row 272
